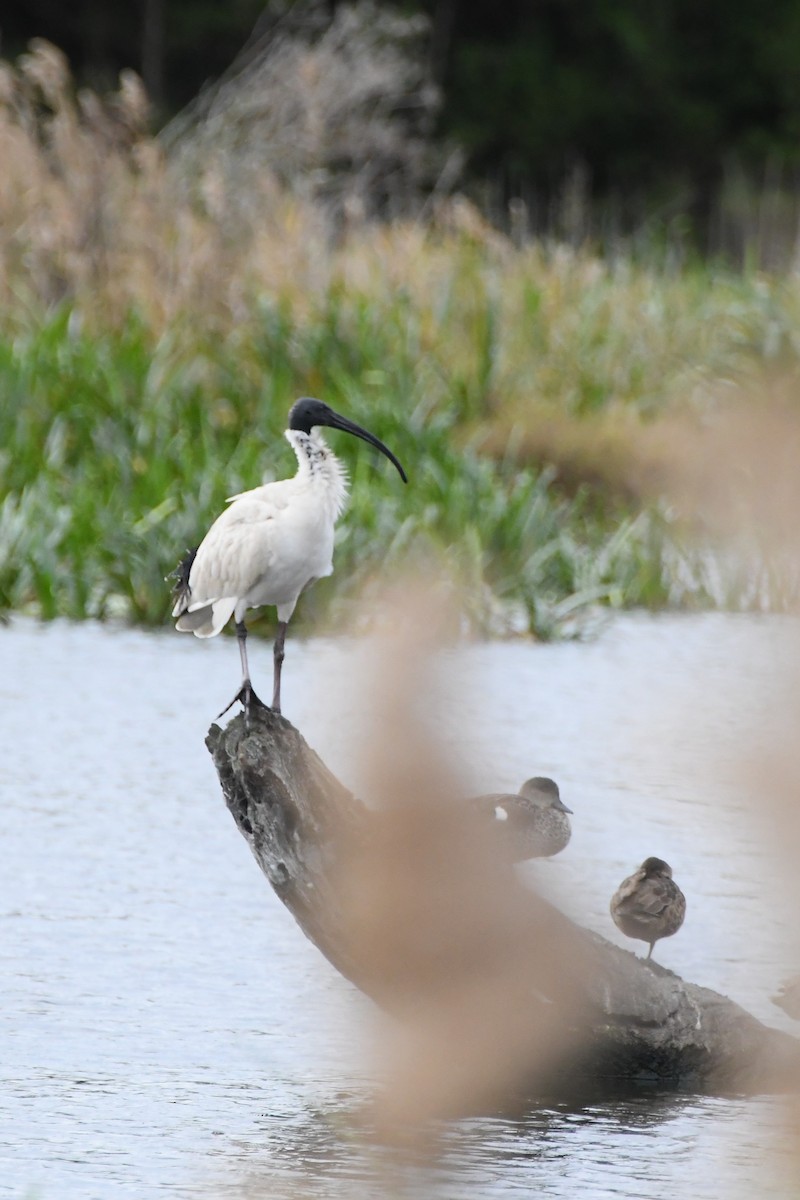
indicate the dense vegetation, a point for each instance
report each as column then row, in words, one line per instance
column 153, row 335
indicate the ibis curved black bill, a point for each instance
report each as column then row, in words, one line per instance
column 337, row 422
column 308, row 413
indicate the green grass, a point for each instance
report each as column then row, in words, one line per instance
column 120, row 444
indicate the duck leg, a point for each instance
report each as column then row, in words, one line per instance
column 277, row 656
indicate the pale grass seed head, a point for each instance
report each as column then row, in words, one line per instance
column 463, row 957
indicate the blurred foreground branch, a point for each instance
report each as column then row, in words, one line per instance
column 624, row 1021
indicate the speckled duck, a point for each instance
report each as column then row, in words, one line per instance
column 533, row 823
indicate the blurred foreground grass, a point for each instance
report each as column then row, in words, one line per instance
column 153, row 334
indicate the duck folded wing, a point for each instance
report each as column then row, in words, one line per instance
column 647, row 900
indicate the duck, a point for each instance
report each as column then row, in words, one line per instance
column 534, row 823
column 649, row 905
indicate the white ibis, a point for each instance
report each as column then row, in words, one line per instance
column 649, row 905
column 271, row 543
column 533, row 824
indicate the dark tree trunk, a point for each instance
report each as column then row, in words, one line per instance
column 442, row 23
column 152, row 50
column 644, row 1022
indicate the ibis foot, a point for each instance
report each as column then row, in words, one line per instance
column 248, row 699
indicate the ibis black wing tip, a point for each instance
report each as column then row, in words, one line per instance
column 180, row 575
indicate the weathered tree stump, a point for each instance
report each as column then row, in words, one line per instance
column 645, row 1023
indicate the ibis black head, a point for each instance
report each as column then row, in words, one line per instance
column 306, row 414
column 656, row 866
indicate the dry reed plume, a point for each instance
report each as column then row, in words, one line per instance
column 93, row 213
column 237, row 199
column 731, row 478
column 260, row 194
column 483, row 999
column 734, row 480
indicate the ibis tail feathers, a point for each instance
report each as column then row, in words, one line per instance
column 208, row 619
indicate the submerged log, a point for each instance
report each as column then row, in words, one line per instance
column 643, row 1023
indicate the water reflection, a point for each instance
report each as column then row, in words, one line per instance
column 641, row 1147
column 166, row 1030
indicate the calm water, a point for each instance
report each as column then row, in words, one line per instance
column 165, row 1030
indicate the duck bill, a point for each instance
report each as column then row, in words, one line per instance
column 561, row 805
column 337, row 422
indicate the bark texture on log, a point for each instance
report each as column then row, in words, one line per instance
column 646, row 1024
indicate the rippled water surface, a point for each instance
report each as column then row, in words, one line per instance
column 165, row 1029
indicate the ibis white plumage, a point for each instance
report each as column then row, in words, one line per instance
column 271, row 543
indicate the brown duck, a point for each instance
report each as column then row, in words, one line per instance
column 649, row 905
column 532, row 824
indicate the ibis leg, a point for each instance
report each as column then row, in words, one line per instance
column 241, row 637
column 650, row 951
column 245, row 694
column 277, row 654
